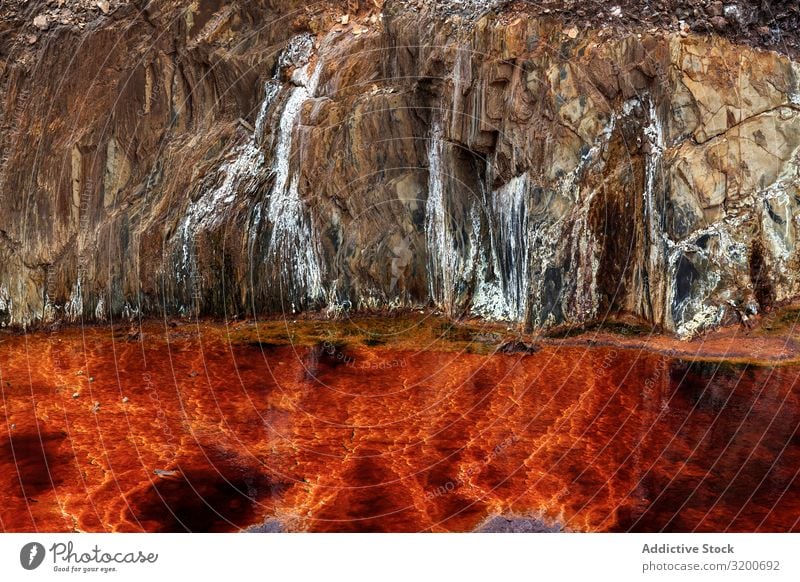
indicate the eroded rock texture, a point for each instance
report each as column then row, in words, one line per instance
column 233, row 158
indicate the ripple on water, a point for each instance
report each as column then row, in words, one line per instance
column 317, row 430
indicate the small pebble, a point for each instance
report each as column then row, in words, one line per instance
column 125, row 400
column 165, row 473
column 76, row 394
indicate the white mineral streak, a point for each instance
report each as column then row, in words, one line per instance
column 510, row 208
column 446, row 259
column 271, row 90
column 794, row 92
column 240, row 175
column 777, row 204
column 654, row 133
column 6, row 306
column 583, row 253
column 293, row 246
column 73, row 309
column 100, row 310
column 699, row 311
column 50, row 310
column 130, row 312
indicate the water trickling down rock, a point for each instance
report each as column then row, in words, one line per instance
column 485, row 164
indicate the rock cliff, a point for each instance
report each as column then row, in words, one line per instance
column 486, row 158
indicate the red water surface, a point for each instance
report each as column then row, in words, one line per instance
column 355, row 437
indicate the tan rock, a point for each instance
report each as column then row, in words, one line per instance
column 41, row 21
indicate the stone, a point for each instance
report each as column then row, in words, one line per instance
column 719, row 22
column 41, row 21
column 517, row 347
column 164, row 473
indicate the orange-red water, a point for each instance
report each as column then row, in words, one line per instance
column 355, row 437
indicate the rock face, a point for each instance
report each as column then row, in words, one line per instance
column 220, row 159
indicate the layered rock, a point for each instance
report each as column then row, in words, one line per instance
column 493, row 163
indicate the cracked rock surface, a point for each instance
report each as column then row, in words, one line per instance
column 490, row 159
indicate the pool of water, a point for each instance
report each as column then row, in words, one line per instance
column 408, row 425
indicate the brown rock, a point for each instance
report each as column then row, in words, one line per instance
column 491, row 168
column 719, row 23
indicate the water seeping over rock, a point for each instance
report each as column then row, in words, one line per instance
column 492, row 162
column 292, row 254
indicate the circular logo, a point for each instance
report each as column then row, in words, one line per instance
column 31, row 555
